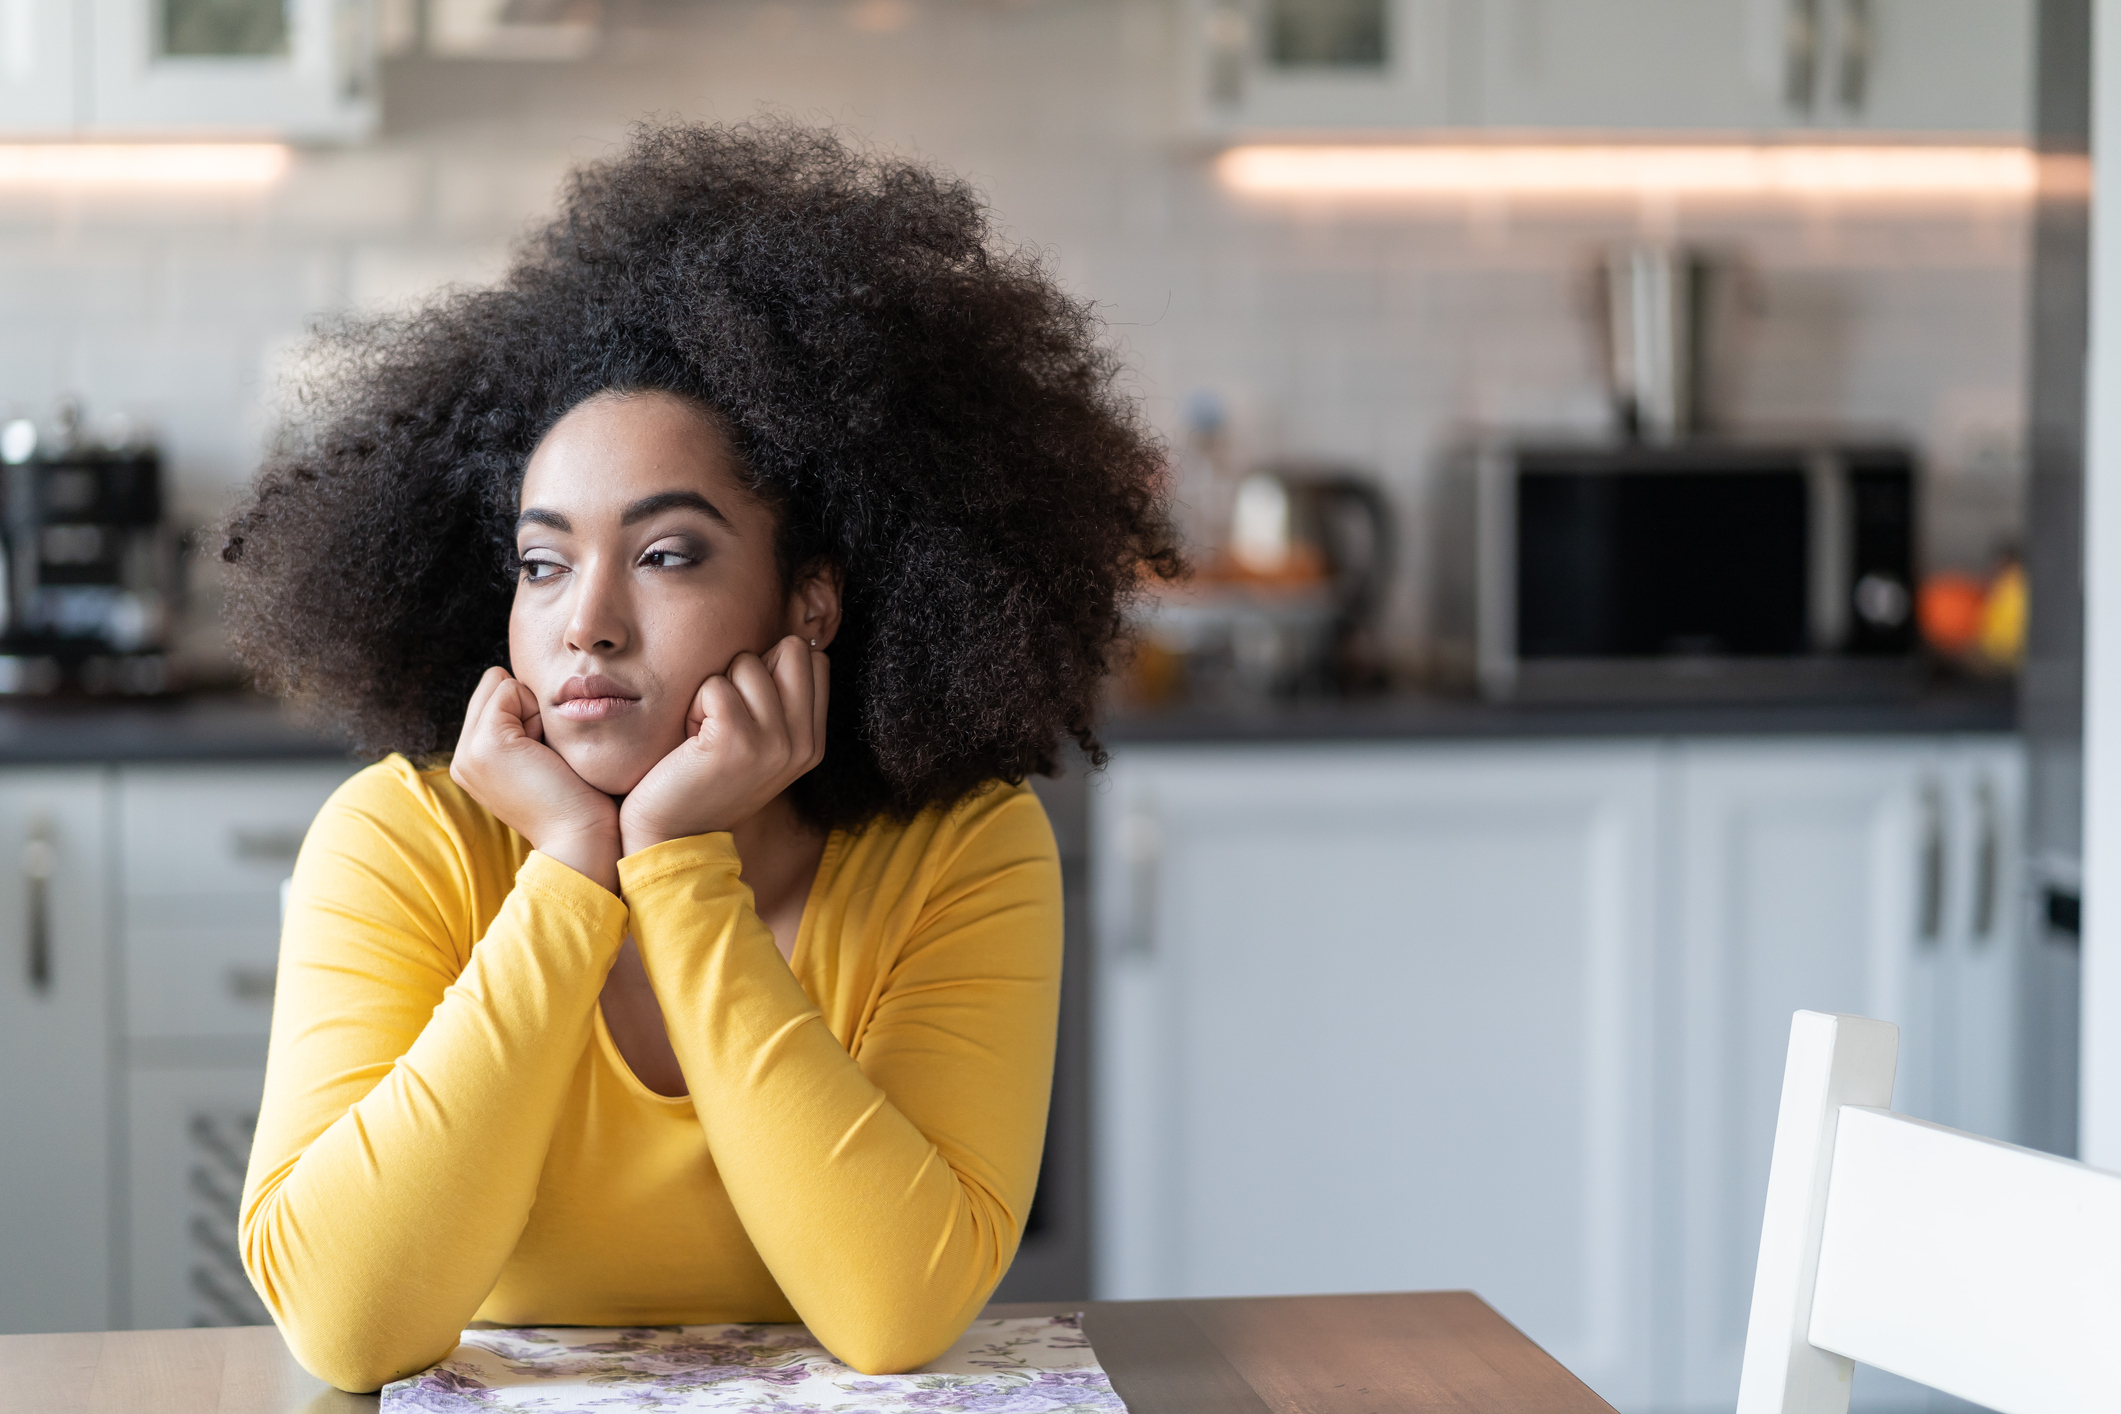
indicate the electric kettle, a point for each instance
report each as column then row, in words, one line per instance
column 1293, row 522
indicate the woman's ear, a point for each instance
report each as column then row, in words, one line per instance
column 814, row 603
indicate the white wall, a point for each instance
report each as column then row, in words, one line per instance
column 2099, row 1092
column 1362, row 332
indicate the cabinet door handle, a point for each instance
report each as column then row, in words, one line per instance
column 1988, row 861
column 250, row 984
column 1858, row 33
column 1229, row 46
column 1800, row 54
column 275, row 844
column 1930, row 904
column 1143, row 844
column 39, row 862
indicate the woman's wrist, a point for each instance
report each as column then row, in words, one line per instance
column 634, row 839
column 593, row 853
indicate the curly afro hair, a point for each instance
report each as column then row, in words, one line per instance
column 923, row 408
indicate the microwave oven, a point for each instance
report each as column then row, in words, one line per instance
column 1676, row 571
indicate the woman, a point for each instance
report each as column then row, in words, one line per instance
column 713, row 977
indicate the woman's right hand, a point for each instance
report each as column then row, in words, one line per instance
column 503, row 763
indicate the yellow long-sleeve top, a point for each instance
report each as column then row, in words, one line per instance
column 448, row 1132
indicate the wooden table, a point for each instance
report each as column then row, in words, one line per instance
column 1433, row 1350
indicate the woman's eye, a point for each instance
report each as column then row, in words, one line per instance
column 537, row 571
column 666, row 559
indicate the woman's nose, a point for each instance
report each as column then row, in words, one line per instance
column 598, row 621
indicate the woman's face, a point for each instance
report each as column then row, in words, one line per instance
column 647, row 567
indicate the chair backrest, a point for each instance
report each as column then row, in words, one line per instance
column 1977, row 1268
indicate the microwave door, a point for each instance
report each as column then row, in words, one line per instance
column 1680, row 564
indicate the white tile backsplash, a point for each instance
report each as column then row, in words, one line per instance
column 1365, row 331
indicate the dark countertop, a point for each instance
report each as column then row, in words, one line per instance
column 1958, row 707
column 223, row 727
column 242, row 727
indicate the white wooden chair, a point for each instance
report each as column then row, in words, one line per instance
column 1974, row 1267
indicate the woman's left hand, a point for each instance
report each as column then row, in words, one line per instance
column 751, row 733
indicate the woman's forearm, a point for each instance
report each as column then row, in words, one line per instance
column 407, row 1115
column 886, row 1196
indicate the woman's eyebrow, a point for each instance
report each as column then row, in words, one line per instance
column 672, row 500
column 551, row 520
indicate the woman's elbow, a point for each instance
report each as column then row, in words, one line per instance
column 348, row 1348
column 355, row 1360
column 891, row 1352
column 890, row 1340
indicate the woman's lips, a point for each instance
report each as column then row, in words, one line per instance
column 593, row 709
column 592, row 699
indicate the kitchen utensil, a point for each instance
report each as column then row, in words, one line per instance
column 1658, row 329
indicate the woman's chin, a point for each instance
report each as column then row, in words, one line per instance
column 614, row 773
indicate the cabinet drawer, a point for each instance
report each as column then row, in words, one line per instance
column 198, row 982
column 217, row 829
column 190, row 1132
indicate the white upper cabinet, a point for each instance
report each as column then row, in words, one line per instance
column 1272, row 65
column 1630, row 64
column 36, row 66
column 284, row 68
column 297, row 69
column 1765, row 67
column 1947, row 66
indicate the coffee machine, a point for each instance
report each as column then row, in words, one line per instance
column 88, row 566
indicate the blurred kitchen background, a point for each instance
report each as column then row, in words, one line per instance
column 1615, row 438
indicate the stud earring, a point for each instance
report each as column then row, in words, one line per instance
column 813, row 643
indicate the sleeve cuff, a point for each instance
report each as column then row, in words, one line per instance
column 597, row 907
column 679, row 856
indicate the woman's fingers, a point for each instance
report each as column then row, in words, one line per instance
column 718, row 701
column 797, row 686
column 762, row 697
column 820, row 695
column 769, row 708
column 489, row 683
column 528, row 714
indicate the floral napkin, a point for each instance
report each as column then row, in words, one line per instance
column 1022, row 1366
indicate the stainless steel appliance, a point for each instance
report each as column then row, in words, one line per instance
column 1288, row 605
column 1659, row 318
column 1688, row 570
column 2051, row 689
column 1299, row 520
column 88, row 568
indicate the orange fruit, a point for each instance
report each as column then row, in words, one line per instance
column 1949, row 611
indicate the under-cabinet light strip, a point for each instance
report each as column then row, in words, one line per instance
column 107, row 164
column 1423, row 170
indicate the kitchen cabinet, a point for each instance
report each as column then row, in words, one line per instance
column 1512, row 1016
column 1257, row 65
column 300, row 69
column 1380, row 1018
column 55, row 1050
column 1631, row 64
column 296, row 69
column 202, row 851
column 139, row 917
column 1763, row 67
column 1944, row 66
column 1879, row 878
column 189, row 1130
column 1766, row 66
column 37, row 67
